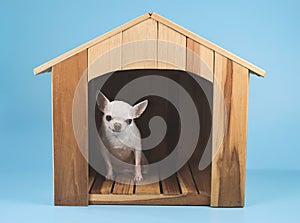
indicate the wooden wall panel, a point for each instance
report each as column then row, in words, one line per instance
column 171, row 48
column 70, row 167
column 139, row 49
column 172, row 55
column 137, row 53
column 200, row 60
column 228, row 167
column 105, row 56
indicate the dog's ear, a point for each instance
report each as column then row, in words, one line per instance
column 102, row 101
column 139, row 108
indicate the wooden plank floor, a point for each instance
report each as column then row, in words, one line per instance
column 183, row 188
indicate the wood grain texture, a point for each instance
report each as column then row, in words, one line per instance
column 107, row 187
column 171, row 55
column 202, row 179
column 186, row 181
column 70, row 167
column 149, row 189
column 149, row 194
column 200, row 60
column 139, row 49
column 123, row 188
column 171, row 48
column 228, row 166
column 97, row 185
column 101, row 185
column 170, row 185
column 92, row 177
column 180, row 199
column 105, row 56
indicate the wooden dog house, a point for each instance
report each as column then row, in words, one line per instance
column 221, row 184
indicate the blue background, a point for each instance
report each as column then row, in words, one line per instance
column 265, row 33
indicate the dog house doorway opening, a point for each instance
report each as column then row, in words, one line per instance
column 175, row 134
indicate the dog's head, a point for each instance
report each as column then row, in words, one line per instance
column 118, row 115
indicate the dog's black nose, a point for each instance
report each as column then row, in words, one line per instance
column 117, row 126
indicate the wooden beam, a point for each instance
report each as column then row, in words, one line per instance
column 105, row 56
column 170, row 185
column 200, row 60
column 171, row 48
column 139, row 46
column 160, row 199
column 92, row 178
column 229, row 164
column 127, row 185
column 152, row 188
column 202, row 179
column 70, row 167
column 186, row 180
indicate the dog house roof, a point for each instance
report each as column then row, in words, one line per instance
column 47, row 67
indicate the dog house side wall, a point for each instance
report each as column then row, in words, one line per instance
column 229, row 163
column 70, row 167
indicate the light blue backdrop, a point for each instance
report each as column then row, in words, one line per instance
column 265, row 33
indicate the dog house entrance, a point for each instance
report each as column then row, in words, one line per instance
column 188, row 185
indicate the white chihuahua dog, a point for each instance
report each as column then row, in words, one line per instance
column 120, row 135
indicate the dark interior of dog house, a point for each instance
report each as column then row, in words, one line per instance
column 187, row 178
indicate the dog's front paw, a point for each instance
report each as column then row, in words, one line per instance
column 109, row 176
column 138, row 178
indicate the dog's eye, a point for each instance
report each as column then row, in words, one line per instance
column 128, row 121
column 108, row 118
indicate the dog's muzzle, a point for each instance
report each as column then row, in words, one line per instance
column 117, row 127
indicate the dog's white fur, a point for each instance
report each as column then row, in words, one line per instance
column 121, row 136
